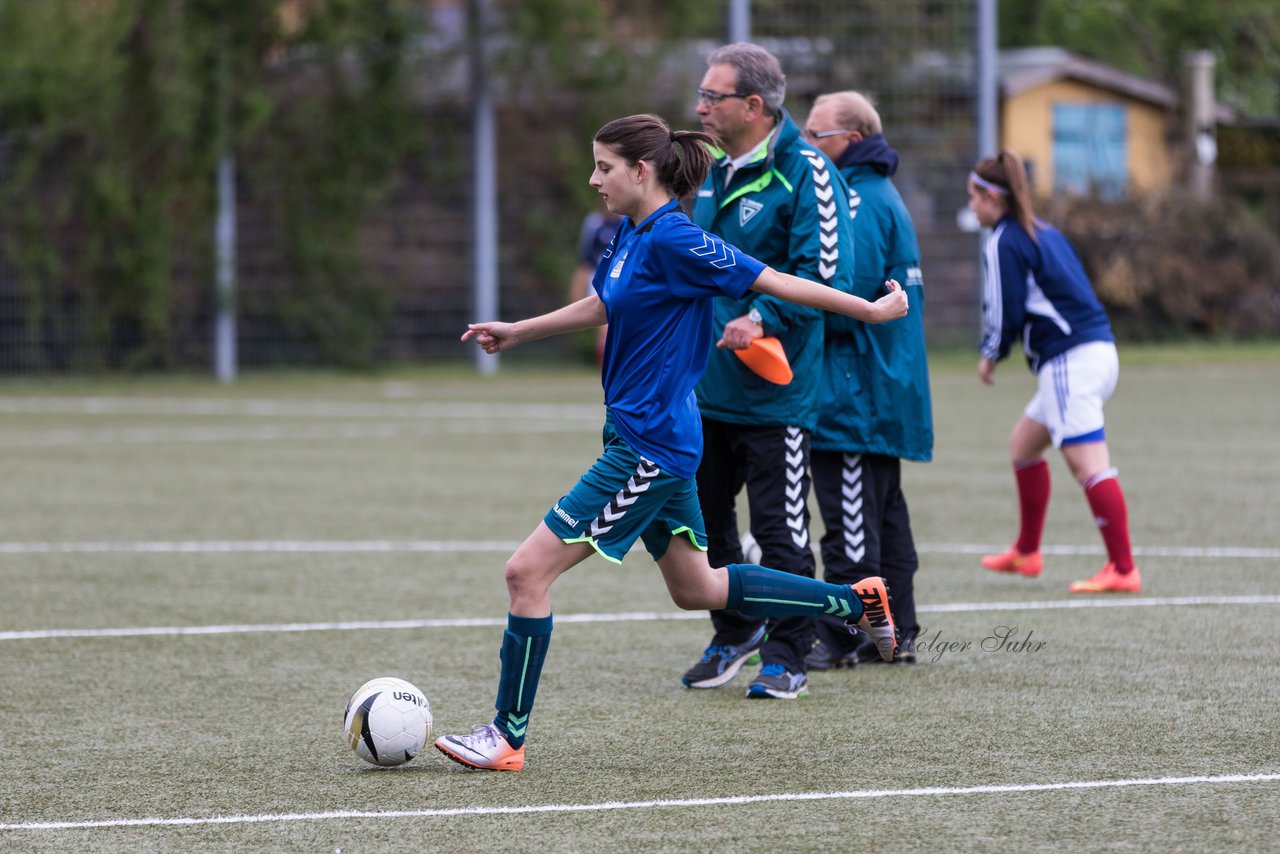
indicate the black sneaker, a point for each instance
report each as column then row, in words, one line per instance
column 906, row 653
column 775, row 682
column 867, row 653
column 720, row 663
column 823, row 656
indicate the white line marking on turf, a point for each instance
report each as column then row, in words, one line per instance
column 672, row 803
column 259, row 408
column 1140, row 551
column 355, row 546
column 238, row 546
column 630, row 617
column 160, row 435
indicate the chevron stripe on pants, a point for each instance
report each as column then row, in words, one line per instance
column 772, row 463
column 868, row 532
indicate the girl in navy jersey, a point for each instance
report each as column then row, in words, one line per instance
column 654, row 287
column 1036, row 292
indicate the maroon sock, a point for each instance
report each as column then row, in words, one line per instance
column 1033, row 503
column 1106, row 500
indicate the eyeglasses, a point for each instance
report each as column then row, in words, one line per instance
column 823, row 134
column 714, row 98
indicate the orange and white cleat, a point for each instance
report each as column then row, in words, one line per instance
column 1030, row 564
column 485, row 748
column 1109, row 581
column 876, row 620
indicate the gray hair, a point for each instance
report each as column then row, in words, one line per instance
column 854, row 111
column 758, row 72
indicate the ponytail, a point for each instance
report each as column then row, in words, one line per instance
column 1006, row 176
column 680, row 158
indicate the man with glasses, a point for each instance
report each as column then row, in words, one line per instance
column 875, row 407
column 778, row 199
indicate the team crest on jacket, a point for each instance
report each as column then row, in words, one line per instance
column 748, row 208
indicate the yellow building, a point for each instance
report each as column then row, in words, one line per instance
column 1084, row 127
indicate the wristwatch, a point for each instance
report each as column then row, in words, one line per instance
column 754, row 316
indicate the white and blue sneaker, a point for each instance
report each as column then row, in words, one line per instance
column 720, row 663
column 775, row 682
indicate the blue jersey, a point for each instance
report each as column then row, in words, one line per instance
column 1036, row 291
column 657, row 280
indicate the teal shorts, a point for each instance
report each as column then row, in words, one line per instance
column 622, row 498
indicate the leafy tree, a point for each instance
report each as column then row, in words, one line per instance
column 1149, row 37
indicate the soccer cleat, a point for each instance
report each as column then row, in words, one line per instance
column 876, row 620
column 720, row 663
column 1030, row 564
column 775, row 682
column 1109, row 581
column 485, row 748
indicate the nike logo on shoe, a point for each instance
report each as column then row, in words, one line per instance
column 876, row 620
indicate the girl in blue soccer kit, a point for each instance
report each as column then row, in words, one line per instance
column 654, row 287
column 1036, row 292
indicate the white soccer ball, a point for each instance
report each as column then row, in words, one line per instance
column 751, row 551
column 388, row 721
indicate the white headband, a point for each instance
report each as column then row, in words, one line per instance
column 987, row 185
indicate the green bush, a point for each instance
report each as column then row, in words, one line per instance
column 1171, row 267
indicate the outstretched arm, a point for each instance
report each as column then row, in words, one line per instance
column 891, row 306
column 494, row 336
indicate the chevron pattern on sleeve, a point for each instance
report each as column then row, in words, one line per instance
column 829, row 252
column 716, row 252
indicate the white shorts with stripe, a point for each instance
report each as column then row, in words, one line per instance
column 1071, row 390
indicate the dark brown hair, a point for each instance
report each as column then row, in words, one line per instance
column 1006, row 171
column 680, row 158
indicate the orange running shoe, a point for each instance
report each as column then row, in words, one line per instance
column 485, row 748
column 1109, row 581
column 1013, row 560
column 877, row 619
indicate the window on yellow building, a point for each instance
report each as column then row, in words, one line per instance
column 1090, row 150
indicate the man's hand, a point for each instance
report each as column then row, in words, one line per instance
column 739, row 333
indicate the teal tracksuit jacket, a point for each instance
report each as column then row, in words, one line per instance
column 875, row 378
column 789, row 208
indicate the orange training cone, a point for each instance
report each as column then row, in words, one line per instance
column 766, row 357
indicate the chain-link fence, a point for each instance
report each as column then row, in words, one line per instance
column 405, row 293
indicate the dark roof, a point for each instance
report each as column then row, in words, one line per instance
column 1025, row 68
column 1021, row 69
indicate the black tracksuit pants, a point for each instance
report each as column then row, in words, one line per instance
column 868, row 533
column 772, row 463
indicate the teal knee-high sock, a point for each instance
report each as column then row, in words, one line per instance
column 760, row 592
column 524, row 648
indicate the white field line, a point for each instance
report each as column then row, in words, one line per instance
column 358, row 546
column 673, row 803
column 415, row 419
column 1140, row 551
column 202, row 407
column 625, row 617
column 249, row 546
column 177, row 435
